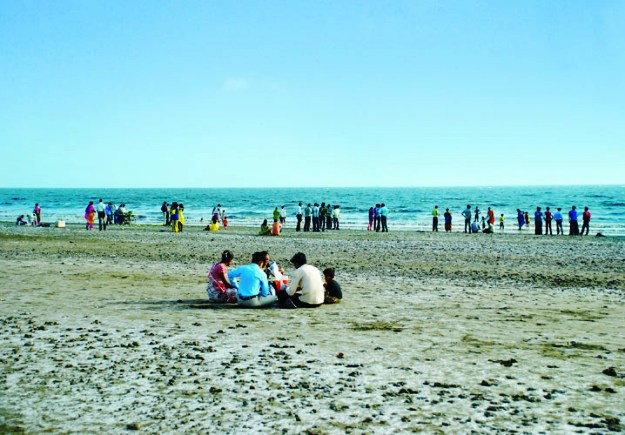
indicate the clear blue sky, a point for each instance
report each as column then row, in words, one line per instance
column 311, row 93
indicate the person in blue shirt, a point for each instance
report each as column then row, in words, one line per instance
column 383, row 217
column 573, row 224
column 558, row 218
column 253, row 289
column 538, row 222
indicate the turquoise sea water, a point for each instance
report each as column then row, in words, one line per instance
column 410, row 207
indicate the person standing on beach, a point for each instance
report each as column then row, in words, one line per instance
column 323, row 215
column 37, row 213
column 329, row 217
column 467, row 219
column 377, row 218
column 558, row 218
column 180, row 217
column 224, row 218
column 538, row 222
column 165, row 211
column 336, row 214
column 585, row 221
column 526, row 217
column 383, row 217
column 447, row 217
column 109, row 213
column 173, row 217
column 371, row 218
column 299, row 217
column 520, row 217
column 502, row 219
column 435, row 219
column 307, row 217
column 217, row 212
column 90, row 216
column 548, row 219
column 491, row 216
column 101, row 209
column 315, row 217
column 573, row 224
column 253, row 288
column 282, row 216
column 477, row 214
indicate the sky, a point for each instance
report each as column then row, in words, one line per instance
column 311, row 93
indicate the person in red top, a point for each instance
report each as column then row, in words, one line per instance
column 548, row 219
column 491, row 216
column 220, row 289
column 586, row 221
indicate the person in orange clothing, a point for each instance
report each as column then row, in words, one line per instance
column 276, row 228
column 491, row 216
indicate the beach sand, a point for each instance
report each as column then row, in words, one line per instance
column 111, row 331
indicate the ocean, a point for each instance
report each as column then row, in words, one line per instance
column 410, row 208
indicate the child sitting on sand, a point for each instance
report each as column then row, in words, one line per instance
column 333, row 293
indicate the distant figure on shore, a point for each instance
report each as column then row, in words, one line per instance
column 265, row 229
column 283, row 216
column 558, row 218
column 329, row 217
column 101, row 209
column 538, row 222
column 475, row 227
column 573, row 224
column 491, row 216
column 224, row 218
column 306, row 288
column 21, row 220
column 276, row 214
column 483, row 222
column 336, row 215
column 435, row 219
column 333, row 293
column 526, row 217
column 315, row 218
column 323, row 216
column 548, row 219
column 376, row 224
column 371, row 218
column 520, row 218
column 307, row 217
column 299, row 217
column 173, row 217
column 467, row 218
column 502, row 219
column 90, row 216
column 220, row 289
column 383, row 217
column 37, row 212
column 180, row 217
column 489, row 229
column 585, row 221
column 165, row 211
column 213, row 225
column 253, row 288
column 108, row 210
column 217, row 212
column 477, row 213
column 447, row 217
column 276, row 228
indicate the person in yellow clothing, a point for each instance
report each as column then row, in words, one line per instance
column 435, row 219
column 174, row 217
column 180, row 217
column 501, row 221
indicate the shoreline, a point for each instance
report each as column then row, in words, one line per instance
column 453, row 333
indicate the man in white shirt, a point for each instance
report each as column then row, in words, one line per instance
column 101, row 209
column 282, row 215
column 306, row 285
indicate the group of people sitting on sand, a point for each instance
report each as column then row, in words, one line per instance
column 262, row 283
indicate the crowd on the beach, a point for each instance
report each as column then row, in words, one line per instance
column 107, row 214
column 262, row 283
column 475, row 222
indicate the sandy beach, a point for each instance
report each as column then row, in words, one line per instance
column 440, row 333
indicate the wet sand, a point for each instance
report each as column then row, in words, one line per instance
column 107, row 332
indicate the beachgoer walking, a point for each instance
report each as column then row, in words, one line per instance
column 299, row 217
column 220, row 289
column 502, row 219
column 573, row 224
column 307, row 217
column 333, row 293
column 538, row 222
column 585, row 221
column 336, row 214
column 435, row 219
column 548, row 219
column 383, row 217
column 558, row 218
column 467, row 219
column 37, row 213
column 282, row 216
column 165, row 211
column 253, row 288
column 306, row 287
column 101, row 209
column 371, row 218
column 447, row 217
column 90, row 216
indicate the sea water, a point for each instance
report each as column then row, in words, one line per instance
column 410, row 208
